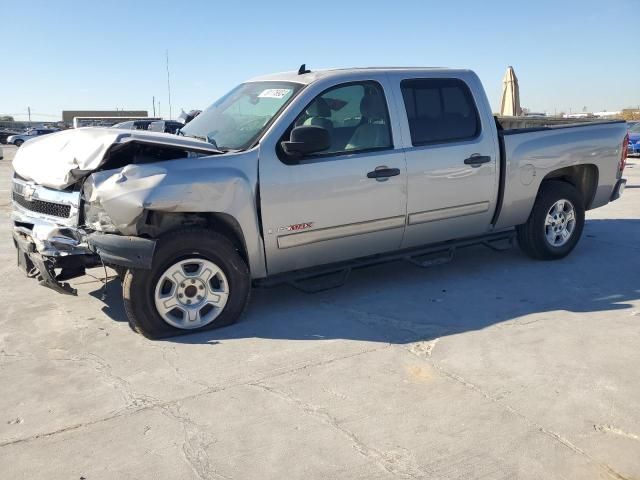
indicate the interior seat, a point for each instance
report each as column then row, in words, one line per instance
column 374, row 132
column 319, row 115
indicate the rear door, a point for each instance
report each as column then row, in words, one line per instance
column 333, row 206
column 451, row 156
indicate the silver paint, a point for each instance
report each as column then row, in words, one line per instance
column 333, row 193
column 450, row 212
column 305, row 238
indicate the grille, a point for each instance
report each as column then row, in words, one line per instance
column 39, row 206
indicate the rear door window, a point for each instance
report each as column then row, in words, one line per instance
column 439, row 110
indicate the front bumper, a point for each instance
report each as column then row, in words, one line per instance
column 43, row 266
column 53, row 261
column 51, row 246
column 122, row 250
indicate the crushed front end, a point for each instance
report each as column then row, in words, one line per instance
column 79, row 196
column 50, row 244
column 54, row 246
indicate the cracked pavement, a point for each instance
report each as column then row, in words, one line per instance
column 493, row 366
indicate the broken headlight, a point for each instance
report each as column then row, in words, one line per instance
column 95, row 218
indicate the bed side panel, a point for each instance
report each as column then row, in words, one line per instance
column 530, row 156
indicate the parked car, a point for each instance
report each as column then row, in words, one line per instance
column 166, row 126
column 634, row 138
column 134, row 124
column 19, row 139
column 296, row 175
column 4, row 134
column 186, row 117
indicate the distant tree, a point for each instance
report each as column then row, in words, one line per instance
column 6, row 118
column 631, row 113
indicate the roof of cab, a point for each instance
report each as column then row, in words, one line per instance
column 312, row 76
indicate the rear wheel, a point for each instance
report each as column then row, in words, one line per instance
column 18, row 142
column 555, row 224
column 198, row 281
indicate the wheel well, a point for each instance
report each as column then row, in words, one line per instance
column 583, row 177
column 157, row 223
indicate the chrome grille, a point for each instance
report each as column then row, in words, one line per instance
column 37, row 202
column 40, row 206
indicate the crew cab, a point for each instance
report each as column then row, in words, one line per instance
column 300, row 174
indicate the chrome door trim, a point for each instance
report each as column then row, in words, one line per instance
column 332, row 233
column 449, row 212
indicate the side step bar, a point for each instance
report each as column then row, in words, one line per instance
column 318, row 279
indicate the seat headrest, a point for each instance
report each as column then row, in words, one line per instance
column 372, row 107
column 319, row 108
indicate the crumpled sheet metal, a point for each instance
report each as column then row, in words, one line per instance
column 125, row 193
column 122, row 192
column 58, row 160
column 186, row 185
column 54, row 240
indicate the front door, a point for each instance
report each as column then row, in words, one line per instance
column 346, row 202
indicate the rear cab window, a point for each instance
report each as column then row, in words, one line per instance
column 439, row 110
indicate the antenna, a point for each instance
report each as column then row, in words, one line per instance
column 303, row 69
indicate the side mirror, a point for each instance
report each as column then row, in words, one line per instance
column 307, row 139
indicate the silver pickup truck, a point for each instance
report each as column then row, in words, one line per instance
column 297, row 175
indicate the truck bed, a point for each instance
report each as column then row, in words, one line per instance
column 519, row 123
column 528, row 155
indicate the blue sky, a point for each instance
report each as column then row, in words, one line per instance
column 106, row 54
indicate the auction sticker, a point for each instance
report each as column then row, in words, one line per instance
column 275, row 93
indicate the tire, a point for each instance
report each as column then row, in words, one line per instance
column 189, row 254
column 18, row 142
column 536, row 237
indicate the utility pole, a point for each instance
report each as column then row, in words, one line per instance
column 29, row 111
column 159, row 111
column 154, row 105
column 168, row 84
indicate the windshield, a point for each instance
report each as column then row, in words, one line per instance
column 236, row 120
column 635, row 128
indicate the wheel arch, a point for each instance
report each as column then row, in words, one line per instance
column 520, row 199
column 583, row 178
column 157, row 223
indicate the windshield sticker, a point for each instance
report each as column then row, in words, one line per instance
column 275, row 93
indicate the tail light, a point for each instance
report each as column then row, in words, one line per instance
column 625, row 151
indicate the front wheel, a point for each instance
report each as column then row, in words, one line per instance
column 555, row 224
column 18, row 142
column 198, row 281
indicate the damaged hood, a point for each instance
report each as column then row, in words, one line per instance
column 61, row 159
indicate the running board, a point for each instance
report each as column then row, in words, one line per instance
column 326, row 277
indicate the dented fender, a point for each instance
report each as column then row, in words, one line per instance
column 216, row 184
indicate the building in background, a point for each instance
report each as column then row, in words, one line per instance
column 69, row 115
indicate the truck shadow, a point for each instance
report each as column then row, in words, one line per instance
column 401, row 303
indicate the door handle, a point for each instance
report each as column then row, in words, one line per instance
column 476, row 160
column 382, row 173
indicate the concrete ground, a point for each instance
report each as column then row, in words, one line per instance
column 494, row 366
